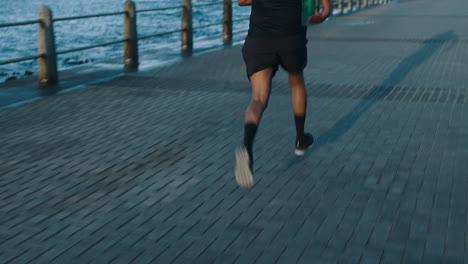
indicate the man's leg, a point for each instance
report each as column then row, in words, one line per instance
column 261, row 88
column 299, row 103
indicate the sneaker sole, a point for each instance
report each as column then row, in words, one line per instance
column 244, row 176
column 299, row 152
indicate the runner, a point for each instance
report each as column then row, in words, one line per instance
column 276, row 37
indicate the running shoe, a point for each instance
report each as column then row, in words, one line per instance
column 244, row 176
column 303, row 144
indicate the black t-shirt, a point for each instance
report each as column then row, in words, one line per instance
column 276, row 18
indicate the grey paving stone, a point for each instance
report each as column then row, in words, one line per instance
column 249, row 255
column 271, row 254
column 174, row 251
column 414, row 251
column 392, row 256
column 371, row 255
column 350, row 256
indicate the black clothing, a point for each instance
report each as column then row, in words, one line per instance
column 276, row 18
column 276, row 37
column 261, row 53
column 299, row 121
column 250, row 130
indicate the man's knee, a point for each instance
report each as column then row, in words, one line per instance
column 296, row 78
column 260, row 103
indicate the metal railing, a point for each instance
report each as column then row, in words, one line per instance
column 47, row 53
column 353, row 5
column 24, row 23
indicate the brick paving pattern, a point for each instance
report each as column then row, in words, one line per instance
column 141, row 169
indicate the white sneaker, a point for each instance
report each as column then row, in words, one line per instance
column 244, row 176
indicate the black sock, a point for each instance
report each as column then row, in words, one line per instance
column 300, row 121
column 250, row 130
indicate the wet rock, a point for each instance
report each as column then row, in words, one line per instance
column 11, row 78
column 28, row 73
column 75, row 61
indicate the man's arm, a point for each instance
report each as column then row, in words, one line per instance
column 321, row 16
column 244, row 2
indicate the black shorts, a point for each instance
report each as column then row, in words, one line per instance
column 261, row 53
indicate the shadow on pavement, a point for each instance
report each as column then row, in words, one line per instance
column 428, row 49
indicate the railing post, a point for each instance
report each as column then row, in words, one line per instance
column 350, row 5
column 365, row 3
column 48, row 62
column 130, row 36
column 187, row 29
column 358, row 4
column 227, row 26
column 340, row 7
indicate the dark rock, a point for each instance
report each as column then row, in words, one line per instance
column 75, row 61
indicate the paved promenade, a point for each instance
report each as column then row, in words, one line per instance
column 140, row 169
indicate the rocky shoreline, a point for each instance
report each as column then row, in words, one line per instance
column 10, row 75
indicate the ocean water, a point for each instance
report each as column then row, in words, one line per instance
column 21, row 41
